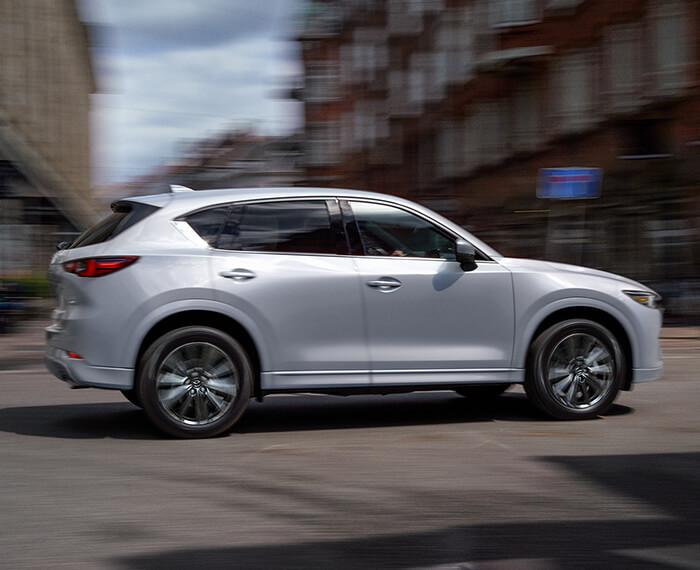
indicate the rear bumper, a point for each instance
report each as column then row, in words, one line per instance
column 647, row 374
column 78, row 372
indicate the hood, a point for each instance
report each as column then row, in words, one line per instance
column 516, row 264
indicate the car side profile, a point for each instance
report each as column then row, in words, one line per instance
column 193, row 302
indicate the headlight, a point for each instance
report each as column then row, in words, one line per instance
column 646, row 298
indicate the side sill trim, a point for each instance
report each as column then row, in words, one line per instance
column 295, row 380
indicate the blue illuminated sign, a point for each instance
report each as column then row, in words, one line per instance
column 569, row 182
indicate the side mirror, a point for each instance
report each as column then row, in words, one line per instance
column 465, row 255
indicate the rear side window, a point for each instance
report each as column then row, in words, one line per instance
column 287, row 227
column 123, row 216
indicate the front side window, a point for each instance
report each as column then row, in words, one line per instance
column 389, row 231
column 286, row 227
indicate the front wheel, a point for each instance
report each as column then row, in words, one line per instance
column 195, row 382
column 575, row 370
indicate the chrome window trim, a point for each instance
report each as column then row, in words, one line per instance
column 326, row 198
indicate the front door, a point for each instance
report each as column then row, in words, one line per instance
column 427, row 320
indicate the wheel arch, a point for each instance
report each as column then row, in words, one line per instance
column 211, row 319
column 597, row 315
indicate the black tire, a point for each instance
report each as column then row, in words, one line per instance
column 195, row 382
column 482, row 391
column 575, row 370
column 132, row 396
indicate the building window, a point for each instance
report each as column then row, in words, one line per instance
column 407, row 6
column 485, row 136
column 416, row 86
column 514, row 12
column 322, row 79
column 322, row 19
column 490, row 130
column 644, row 139
column 364, row 129
column 347, row 63
column 405, row 16
column 455, row 44
column 447, row 149
column 574, row 91
column 623, row 65
column 405, row 93
column 470, row 145
column 671, row 44
column 364, row 61
column 323, row 143
column 526, row 119
column 347, row 132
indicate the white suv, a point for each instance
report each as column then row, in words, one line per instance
column 191, row 303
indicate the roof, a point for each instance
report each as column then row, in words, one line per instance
column 180, row 203
column 209, row 197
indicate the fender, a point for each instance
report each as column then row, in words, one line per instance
column 151, row 319
column 525, row 336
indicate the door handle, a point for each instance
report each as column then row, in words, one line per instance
column 385, row 284
column 238, row 274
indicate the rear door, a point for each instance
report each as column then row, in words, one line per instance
column 285, row 264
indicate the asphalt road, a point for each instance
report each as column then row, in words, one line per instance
column 405, row 481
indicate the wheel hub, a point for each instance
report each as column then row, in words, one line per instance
column 579, row 370
column 196, row 383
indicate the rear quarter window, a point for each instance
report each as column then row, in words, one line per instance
column 207, row 223
column 123, row 216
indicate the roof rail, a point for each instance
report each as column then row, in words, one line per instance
column 177, row 188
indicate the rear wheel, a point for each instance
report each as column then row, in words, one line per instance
column 195, row 382
column 575, row 370
column 132, row 396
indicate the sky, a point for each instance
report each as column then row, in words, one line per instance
column 170, row 72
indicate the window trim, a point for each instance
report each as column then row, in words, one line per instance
column 349, row 220
column 347, row 225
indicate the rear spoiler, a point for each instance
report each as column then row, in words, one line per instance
column 177, row 188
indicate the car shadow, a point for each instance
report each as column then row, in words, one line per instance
column 310, row 412
column 299, row 412
column 79, row 421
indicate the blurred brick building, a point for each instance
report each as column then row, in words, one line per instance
column 459, row 103
column 45, row 82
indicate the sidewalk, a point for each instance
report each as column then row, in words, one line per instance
column 25, row 345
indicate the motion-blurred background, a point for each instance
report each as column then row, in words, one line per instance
column 457, row 104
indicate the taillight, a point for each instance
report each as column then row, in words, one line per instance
column 98, row 266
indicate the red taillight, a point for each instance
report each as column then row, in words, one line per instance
column 98, row 266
